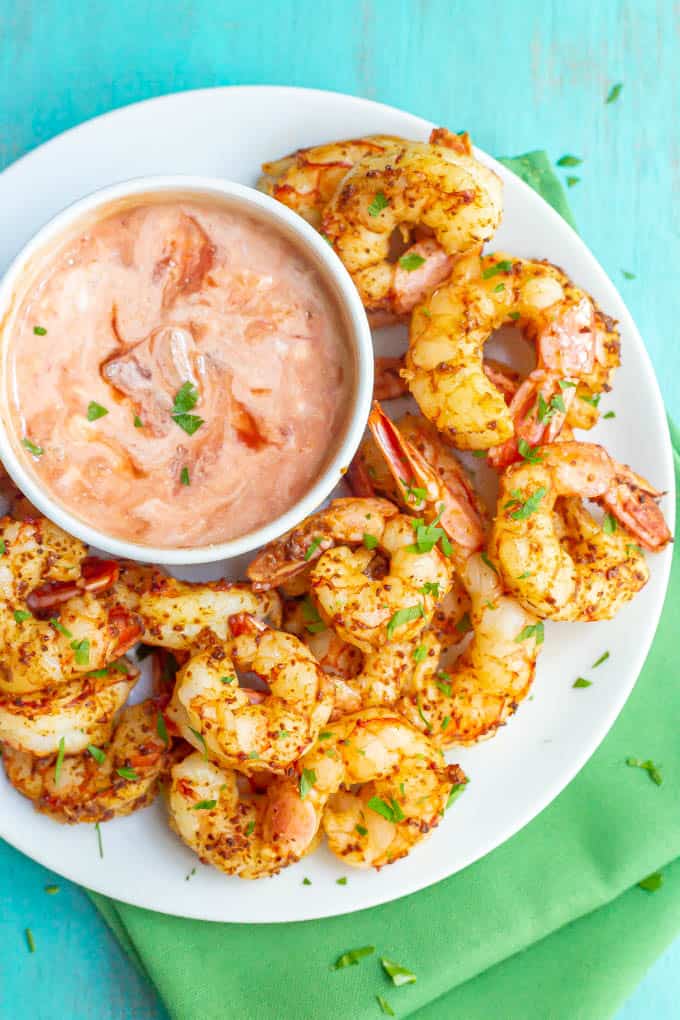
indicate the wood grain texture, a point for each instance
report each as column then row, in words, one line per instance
column 519, row 76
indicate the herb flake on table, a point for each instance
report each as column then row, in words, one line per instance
column 571, row 181
column 627, row 275
column 385, row 1006
column 352, row 956
column 99, row 839
column 652, row 883
column 306, row 881
column 95, row 410
column 52, row 890
column 614, row 93
column 30, row 941
column 569, row 160
column 313, row 546
column 598, row 662
column 341, row 881
column 400, row 975
column 652, row 770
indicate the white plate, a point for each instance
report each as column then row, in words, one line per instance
column 229, row 132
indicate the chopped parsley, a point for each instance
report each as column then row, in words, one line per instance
column 95, row 410
column 400, row 975
column 307, row 780
column 444, row 683
column 30, row 941
column 227, row 679
column 430, row 588
column 22, row 614
column 427, row 535
column 3, row 547
column 411, row 261
column 59, row 762
column 652, row 883
column 426, row 721
column 592, row 399
column 603, row 658
column 485, row 559
column 310, row 614
column 184, row 476
column 39, row 330
column 403, row 616
column 186, row 399
column 378, row 204
column 32, row 447
column 454, row 794
column 571, row 181
column 532, row 630
column 306, row 881
column 627, row 275
column 162, row 729
column 99, row 840
column 82, row 651
column 204, row 805
column 569, row 160
column 201, row 739
column 52, row 890
column 97, row 754
column 523, row 510
column 137, row 422
column 253, row 755
column 528, row 452
column 392, row 812
column 127, row 773
column 504, row 266
column 362, row 830
column 514, row 316
column 547, row 411
column 370, row 541
column 60, row 627
column 609, row 414
column 567, row 384
column 341, row 881
column 250, row 828
column 352, row 957
column 384, row 1005
column 498, row 288
column 652, row 770
column 582, row 682
column 414, row 492
column 420, row 653
column 464, row 624
column 614, row 92
column 313, row 546
column 609, row 524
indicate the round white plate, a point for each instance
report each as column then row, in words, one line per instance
column 229, row 132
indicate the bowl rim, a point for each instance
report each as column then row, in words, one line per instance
column 358, row 334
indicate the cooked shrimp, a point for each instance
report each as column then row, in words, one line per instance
column 591, row 571
column 228, row 829
column 97, row 784
column 389, row 383
column 469, row 700
column 307, row 179
column 344, row 521
column 46, row 573
column 444, row 364
column 368, row 612
column 246, row 729
column 176, row 613
column 404, row 789
column 73, row 715
column 439, row 202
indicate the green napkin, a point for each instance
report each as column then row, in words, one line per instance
column 549, row 925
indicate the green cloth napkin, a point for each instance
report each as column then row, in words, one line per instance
column 550, row 926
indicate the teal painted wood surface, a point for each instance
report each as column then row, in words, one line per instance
column 519, row 76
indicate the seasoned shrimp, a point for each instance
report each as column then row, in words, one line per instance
column 46, row 573
column 176, row 613
column 444, row 366
column 73, row 715
column 368, row 612
column 469, row 700
column 439, row 202
column 404, row 789
column 572, row 568
column 228, row 829
column 344, row 521
column 249, row 729
column 307, row 179
column 116, row 779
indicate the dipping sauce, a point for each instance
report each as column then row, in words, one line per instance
column 179, row 372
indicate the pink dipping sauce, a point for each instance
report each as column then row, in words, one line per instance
column 178, row 297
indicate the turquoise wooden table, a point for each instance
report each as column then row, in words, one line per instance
column 520, row 76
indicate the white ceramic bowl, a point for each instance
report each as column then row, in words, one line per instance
column 312, row 245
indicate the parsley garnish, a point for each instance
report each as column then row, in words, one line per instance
column 428, row 724
column 603, row 658
column 400, row 975
column 614, row 92
column 609, row 524
column 485, row 559
column 127, row 773
column 444, row 683
column 582, row 682
column 411, row 261
column 627, row 275
column 609, row 414
column 652, row 770
column 454, row 794
column 60, row 627
column 532, row 630
column 341, row 881
column 385, row 1006
column 525, row 509
column 430, row 588
column 571, row 181
column 99, row 840
column 162, row 729
column 414, row 492
column 137, row 422
column 498, row 288
column 547, row 411
column 652, row 883
column 528, row 452
column 392, row 812
column 186, row 398
column 204, row 805
column 307, row 780
column 403, row 616
column 419, row 653
column 427, row 535
column 21, row 614
column 313, row 546
column 52, row 890
column 310, row 614
column 593, row 399
column 39, row 330
column 97, row 754
column 464, row 624
column 201, row 739
column 60, row 761
column 352, row 957
column 184, row 476
column 227, row 679
column 82, row 651
column 569, row 161
column 95, row 410
column 370, row 541
column 378, row 204
column 504, row 266
column 362, row 830
column 306, row 881
column 30, row 941
column 32, row 447
column 250, row 828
